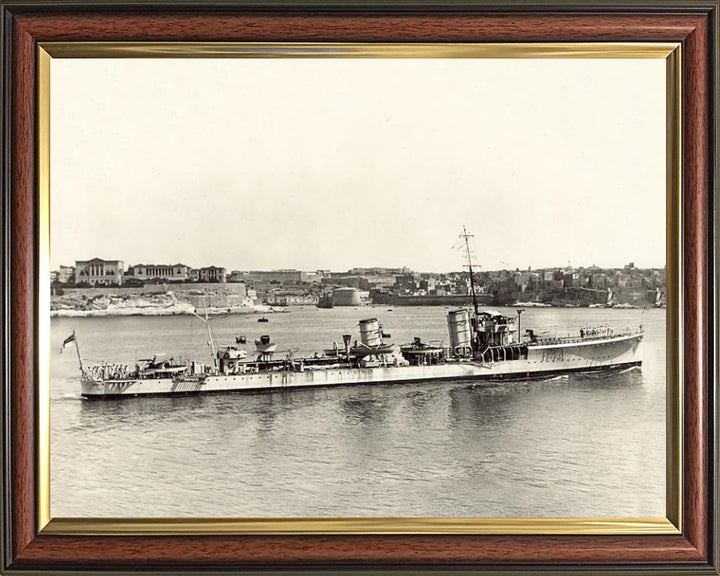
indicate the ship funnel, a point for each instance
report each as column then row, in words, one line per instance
column 370, row 333
column 459, row 331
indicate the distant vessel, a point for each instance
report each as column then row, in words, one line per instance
column 483, row 345
column 609, row 303
column 659, row 299
column 325, row 301
column 612, row 303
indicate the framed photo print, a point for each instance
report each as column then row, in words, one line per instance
column 338, row 287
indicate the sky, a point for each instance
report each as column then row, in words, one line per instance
column 313, row 164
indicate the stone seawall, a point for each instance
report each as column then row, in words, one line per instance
column 155, row 301
column 455, row 300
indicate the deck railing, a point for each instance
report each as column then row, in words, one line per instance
column 579, row 339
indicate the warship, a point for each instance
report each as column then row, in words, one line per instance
column 482, row 345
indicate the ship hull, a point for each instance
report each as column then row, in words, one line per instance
column 542, row 361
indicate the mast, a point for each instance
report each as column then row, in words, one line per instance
column 211, row 340
column 210, row 337
column 465, row 236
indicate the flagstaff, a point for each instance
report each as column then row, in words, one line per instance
column 69, row 340
column 77, row 349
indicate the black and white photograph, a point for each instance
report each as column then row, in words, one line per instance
column 328, row 287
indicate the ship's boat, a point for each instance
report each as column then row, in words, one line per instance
column 231, row 353
column 362, row 350
column 159, row 366
column 334, row 352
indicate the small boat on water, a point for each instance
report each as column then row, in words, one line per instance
column 263, row 319
column 326, row 301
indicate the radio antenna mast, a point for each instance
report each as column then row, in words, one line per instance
column 465, row 236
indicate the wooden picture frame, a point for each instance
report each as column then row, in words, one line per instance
column 29, row 547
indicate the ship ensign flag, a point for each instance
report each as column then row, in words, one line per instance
column 67, row 341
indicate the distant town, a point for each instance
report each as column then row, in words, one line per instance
column 560, row 286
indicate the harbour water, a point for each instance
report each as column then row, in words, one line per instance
column 576, row 445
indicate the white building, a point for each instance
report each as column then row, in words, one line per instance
column 168, row 272
column 99, row 272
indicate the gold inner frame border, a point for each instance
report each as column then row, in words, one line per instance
column 671, row 524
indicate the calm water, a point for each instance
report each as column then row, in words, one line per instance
column 577, row 445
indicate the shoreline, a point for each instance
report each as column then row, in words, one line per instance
column 259, row 310
column 70, row 313
column 165, row 303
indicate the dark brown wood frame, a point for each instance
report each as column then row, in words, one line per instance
column 693, row 23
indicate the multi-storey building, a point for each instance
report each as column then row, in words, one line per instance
column 212, row 274
column 98, row 271
column 285, row 276
column 63, row 274
column 165, row 272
